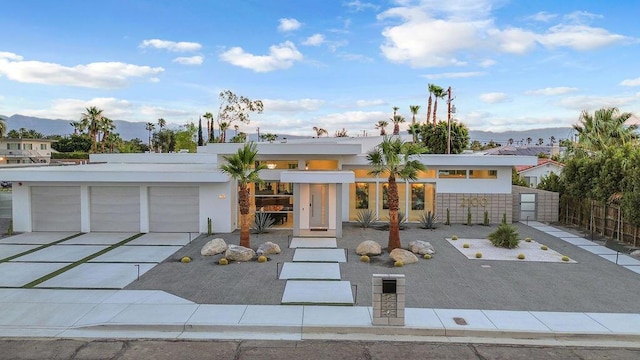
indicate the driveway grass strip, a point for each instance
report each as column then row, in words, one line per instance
column 40, row 248
column 79, row 262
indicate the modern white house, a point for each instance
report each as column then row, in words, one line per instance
column 310, row 186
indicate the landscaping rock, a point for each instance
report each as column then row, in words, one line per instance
column 213, row 247
column 239, row 253
column 421, row 247
column 369, row 248
column 268, row 248
column 406, row 256
column 635, row 253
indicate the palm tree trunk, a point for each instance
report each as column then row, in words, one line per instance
column 429, row 109
column 394, row 228
column 435, row 110
column 243, row 196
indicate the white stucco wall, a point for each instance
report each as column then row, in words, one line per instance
column 22, row 213
column 541, row 171
column 216, row 203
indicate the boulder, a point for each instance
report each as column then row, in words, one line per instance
column 635, row 253
column 421, row 247
column 213, row 247
column 239, row 253
column 369, row 248
column 268, row 248
column 406, row 256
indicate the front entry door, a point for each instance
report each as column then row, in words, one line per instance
column 319, row 200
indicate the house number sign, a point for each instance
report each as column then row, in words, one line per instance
column 473, row 201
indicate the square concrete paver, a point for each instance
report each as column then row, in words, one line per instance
column 137, row 254
column 578, row 241
column 598, row 249
column 98, row 238
column 309, row 242
column 272, row 315
column 319, row 255
column 98, row 276
column 310, row 271
column 217, row 315
column 61, row 253
column 180, row 239
column 38, row 238
column 422, row 318
column 11, row 250
column 569, row 322
column 622, row 259
column 336, row 316
column 475, row 319
column 317, row 293
column 514, row 320
column 19, row 274
column 42, row 314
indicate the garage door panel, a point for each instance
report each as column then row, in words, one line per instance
column 55, row 208
column 115, row 208
column 174, row 209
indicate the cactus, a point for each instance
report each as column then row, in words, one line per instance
column 10, row 229
column 398, row 263
column 185, row 260
column 448, row 222
column 565, row 258
column 262, row 259
column 466, row 245
column 469, row 216
column 504, row 218
column 223, row 261
column 486, row 219
column 364, row 258
column 478, row 255
column 527, row 239
column 454, row 237
column 209, row 227
column 427, row 256
column 521, row 256
column 544, row 247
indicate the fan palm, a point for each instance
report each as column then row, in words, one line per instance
column 150, row 127
column 90, row 120
column 438, row 93
column 397, row 119
column 382, row 124
column 605, row 128
column 393, row 157
column 242, row 167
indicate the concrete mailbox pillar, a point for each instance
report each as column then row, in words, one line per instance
column 388, row 299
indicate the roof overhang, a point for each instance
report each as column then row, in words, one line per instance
column 439, row 160
column 318, row 177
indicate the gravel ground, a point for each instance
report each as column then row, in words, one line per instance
column 448, row 280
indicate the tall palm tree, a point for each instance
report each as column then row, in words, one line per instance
column 3, row 128
column 106, row 127
column 414, row 129
column 209, row 117
column 92, row 118
column 382, row 124
column 162, row 123
column 540, row 141
column 397, row 119
column 77, row 127
column 224, row 126
column 150, row 127
column 320, row 131
column 414, row 111
column 242, row 167
column 438, row 93
column 432, row 88
column 394, row 157
column 529, row 140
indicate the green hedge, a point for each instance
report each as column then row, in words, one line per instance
column 70, row 155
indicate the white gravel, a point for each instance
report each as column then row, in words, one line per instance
column 532, row 251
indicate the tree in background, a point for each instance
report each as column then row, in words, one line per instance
column 438, row 93
column 162, row 123
column 341, row 133
column 434, row 137
column 235, row 108
column 604, row 129
column 200, row 139
column 239, row 138
column 382, row 125
column 268, row 137
column 91, row 120
column 320, row 131
column 243, row 168
column 184, row 138
column 164, row 141
column 393, row 157
column 210, row 126
column 3, row 128
column 24, row 133
column 414, row 111
column 150, row 127
column 414, row 130
column 397, row 120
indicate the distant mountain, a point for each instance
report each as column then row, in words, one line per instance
column 129, row 130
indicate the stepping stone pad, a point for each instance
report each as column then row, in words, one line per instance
column 319, row 255
column 310, row 271
column 309, row 242
column 300, row 292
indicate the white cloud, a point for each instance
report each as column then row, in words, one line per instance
column 494, row 97
column 355, row 57
column 191, row 60
column 93, row 75
column 587, row 102
column 114, row 109
column 355, row 119
column 579, row 17
column 10, row 56
column 631, row 82
column 550, row 91
column 487, row 63
column 454, row 75
column 358, row 5
column 281, row 56
column 543, row 16
column 182, row 46
column 292, row 105
column 157, row 112
column 514, row 40
column 579, row 37
column 314, row 40
column 286, row 25
column 367, row 103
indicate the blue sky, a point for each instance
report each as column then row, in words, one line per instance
column 512, row 65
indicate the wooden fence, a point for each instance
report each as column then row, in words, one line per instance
column 604, row 219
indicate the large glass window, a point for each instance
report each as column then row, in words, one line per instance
column 483, row 174
column 279, row 164
column 417, row 197
column 452, row 174
column 276, row 199
column 362, row 196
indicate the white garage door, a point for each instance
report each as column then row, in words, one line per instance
column 174, row 209
column 115, row 208
column 55, row 208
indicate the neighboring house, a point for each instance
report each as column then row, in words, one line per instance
column 534, row 174
column 526, row 150
column 310, row 186
column 25, row 151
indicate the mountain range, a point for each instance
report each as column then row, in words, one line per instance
column 130, row 130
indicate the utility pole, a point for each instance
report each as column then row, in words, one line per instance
column 449, row 120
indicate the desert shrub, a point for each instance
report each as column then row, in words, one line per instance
column 366, row 217
column 505, row 236
column 478, row 255
column 364, row 258
column 469, row 216
column 428, row 220
column 262, row 222
column 527, row 239
column 521, row 256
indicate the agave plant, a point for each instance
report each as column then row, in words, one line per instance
column 428, row 220
column 262, row 222
column 366, row 217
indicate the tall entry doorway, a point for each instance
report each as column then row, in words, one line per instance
column 318, row 205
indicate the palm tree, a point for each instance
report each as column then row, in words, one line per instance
column 209, row 117
column 552, row 140
column 432, row 88
column 91, row 120
column 604, row 129
column 150, row 127
column 224, row 126
column 438, row 93
column 162, row 123
column 320, row 131
column 382, row 124
column 414, row 111
column 242, row 167
column 529, row 140
column 106, row 126
column 397, row 119
column 510, row 141
column 393, row 157
column 77, row 127
column 269, row 137
column 540, row 141
column 414, row 129
column 3, row 128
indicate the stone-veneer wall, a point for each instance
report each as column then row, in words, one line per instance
column 458, row 205
column 547, row 203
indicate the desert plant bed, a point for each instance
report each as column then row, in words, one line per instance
column 532, row 251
